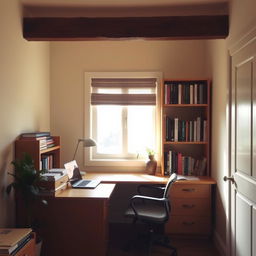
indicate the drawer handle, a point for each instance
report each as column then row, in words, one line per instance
column 188, row 206
column 188, row 189
column 188, row 223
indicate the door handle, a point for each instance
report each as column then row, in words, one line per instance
column 225, row 178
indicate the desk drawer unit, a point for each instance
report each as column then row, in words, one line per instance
column 191, row 209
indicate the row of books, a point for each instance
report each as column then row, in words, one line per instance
column 45, row 139
column 13, row 239
column 176, row 162
column 185, row 92
column 184, row 130
column 46, row 162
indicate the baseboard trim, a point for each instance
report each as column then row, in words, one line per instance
column 219, row 244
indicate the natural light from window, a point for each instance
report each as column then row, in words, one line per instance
column 125, row 131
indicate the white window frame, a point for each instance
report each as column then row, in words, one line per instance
column 117, row 164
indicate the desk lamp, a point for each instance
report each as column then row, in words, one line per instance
column 87, row 143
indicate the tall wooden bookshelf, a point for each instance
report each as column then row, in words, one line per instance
column 186, row 122
column 32, row 147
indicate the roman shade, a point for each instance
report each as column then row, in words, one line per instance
column 123, row 91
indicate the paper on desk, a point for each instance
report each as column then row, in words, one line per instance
column 182, row 177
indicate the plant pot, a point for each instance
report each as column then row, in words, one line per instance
column 151, row 165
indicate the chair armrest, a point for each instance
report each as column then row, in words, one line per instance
column 163, row 200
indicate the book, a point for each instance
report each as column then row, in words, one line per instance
column 35, row 134
column 34, row 138
column 176, row 129
column 54, row 175
column 198, row 129
column 180, row 94
column 191, row 94
column 195, row 94
column 13, row 238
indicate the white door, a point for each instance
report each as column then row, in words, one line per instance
column 243, row 151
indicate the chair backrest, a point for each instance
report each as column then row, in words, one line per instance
column 169, row 183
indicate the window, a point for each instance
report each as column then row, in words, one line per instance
column 123, row 117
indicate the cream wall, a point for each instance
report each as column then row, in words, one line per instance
column 218, row 69
column 69, row 61
column 24, row 93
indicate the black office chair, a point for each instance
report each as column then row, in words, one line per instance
column 154, row 211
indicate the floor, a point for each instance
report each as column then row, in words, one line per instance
column 121, row 234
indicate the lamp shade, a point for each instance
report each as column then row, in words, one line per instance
column 86, row 142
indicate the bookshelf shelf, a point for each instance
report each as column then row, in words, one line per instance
column 185, row 143
column 186, row 123
column 185, row 105
column 49, row 149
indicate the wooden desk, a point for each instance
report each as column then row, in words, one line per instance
column 75, row 222
column 141, row 178
column 192, row 200
column 77, row 218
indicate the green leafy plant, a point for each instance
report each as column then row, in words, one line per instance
column 151, row 152
column 26, row 184
column 26, row 178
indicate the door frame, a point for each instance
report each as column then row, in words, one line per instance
column 232, row 50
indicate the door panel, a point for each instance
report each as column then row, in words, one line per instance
column 254, row 231
column 243, row 117
column 243, row 224
column 243, row 151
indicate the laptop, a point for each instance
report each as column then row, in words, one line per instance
column 75, row 177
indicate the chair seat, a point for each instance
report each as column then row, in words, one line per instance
column 149, row 213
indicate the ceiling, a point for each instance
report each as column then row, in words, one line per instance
column 120, row 3
column 121, row 8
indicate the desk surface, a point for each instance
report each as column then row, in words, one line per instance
column 140, row 178
column 102, row 191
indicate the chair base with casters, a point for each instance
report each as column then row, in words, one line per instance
column 154, row 213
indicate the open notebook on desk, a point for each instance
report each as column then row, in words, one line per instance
column 75, row 177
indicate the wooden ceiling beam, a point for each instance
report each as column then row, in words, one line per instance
column 114, row 28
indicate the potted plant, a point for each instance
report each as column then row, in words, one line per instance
column 26, row 184
column 152, row 163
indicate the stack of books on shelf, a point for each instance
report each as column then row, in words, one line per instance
column 13, row 239
column 175, row 162
column 182, row 92
column 189, row 130
column 53, row 181
column 44, row 138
